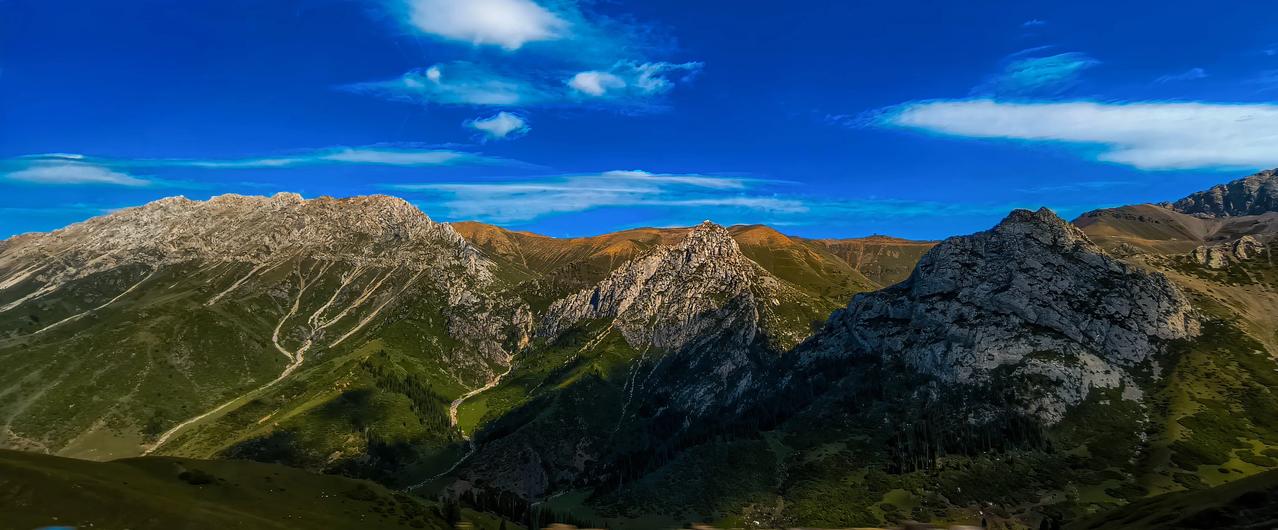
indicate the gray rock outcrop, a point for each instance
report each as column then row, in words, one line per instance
column 1033, row 295
column 1253, row 195
column 1222, row 255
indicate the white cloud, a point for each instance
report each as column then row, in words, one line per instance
column 506, row 23
column 67, row 173
column 336, row 155
column 632, row 79
column 369, row 155
column 461, row 83
column 501, row 125
column 389, row 157
column 595, row 83
column 526, row 199
column 702, row 181
column 457, row 83
column 1144, row 135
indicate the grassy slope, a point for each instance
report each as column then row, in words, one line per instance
column 164, row 493
column 384, row 394
column 1152, row 228
column 812, row 269
column 104, row 385
column 1251, row 502
column 96, row 386
column 884, row 260
column 556, row 266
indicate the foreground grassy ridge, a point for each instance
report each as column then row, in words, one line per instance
column 103, row 383
column 167, row 493
column 1251, row 502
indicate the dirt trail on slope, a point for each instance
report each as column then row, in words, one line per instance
column 452, row 419
column 456, row 404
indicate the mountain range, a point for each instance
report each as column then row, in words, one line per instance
column 1038, row 373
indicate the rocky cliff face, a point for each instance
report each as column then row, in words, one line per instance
column 1222, row 255
column 680, row 336
column 374, row 230
column 700, row 295
column 1253, row 195
column 1032, row 297
column 671, row 297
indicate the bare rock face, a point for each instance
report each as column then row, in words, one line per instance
column 1222, row 255
column 373, row 230
column 1246, row 247
column 1252, row 195
column 671, row 297
column 1033, row 296
column 702, row 321
column 701, row 300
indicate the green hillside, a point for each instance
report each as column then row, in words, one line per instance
column 177, row 493
column 1251, row 502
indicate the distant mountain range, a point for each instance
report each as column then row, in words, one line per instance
column 1033, row 374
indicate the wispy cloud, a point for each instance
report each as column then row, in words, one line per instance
column 1095, row 185
column 674, row 197
column 624, row 84
column 71, row 172
column 500, row 126
column 1188, row 75
column 632, row 80
column 459, row 83
column 1025, row 76
column 371, row 155
column 1034, row 23
column 1147, row 135
column 526, row 199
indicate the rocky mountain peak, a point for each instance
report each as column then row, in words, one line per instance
column 1043, row 226
column 371, row 230
column 1033, row 295
column 1253, row 195
column 709, row 241
column 676, row 284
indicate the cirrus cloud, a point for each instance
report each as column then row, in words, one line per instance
column 1188, row 75
column 637, row 80
column 1048, row 75
column 367, row 155
column 518, row 200
column 624, row 84
column 71, row 172
column 457, row 83
column 1145, row 135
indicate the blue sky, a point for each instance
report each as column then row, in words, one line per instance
column 920, row 119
